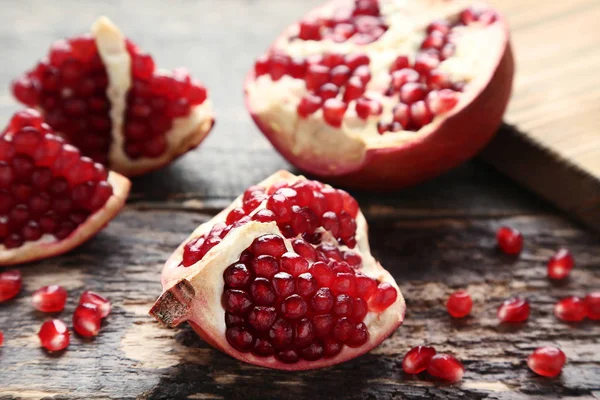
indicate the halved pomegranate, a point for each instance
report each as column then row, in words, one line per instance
column 283, row 278
column 51, row 197
column 381, row 94
column 105, row 96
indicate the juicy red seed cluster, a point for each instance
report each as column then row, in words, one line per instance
column 361, row 24
column 153, row 102
column 279, row 303
column 10, row 284
column 46, row 186
column 299, row 210
column 70, row 86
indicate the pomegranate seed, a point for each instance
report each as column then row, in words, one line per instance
column 355, row 60
column 240, row 339
column 49, row 298
column 366, row 107
column 435, row 40
column 280, row 64
column 101, row 302
column 340, row 75
column 417, row 359
column 237, row 275
column 294, row 307
column 272, row 245
column 305, row 333
column 426, row 62
column 399, row 63
column 333, row 112
column 10, row 284
column 283, row 284
column 354, row 89
column 363, row 73
column 262, row 318
column 316, row 76
column 446, row 367
column 87, row 319
column 412, row 92
column 54, row 335
column 547, row 361
column 403, row 76
column 571, row 309
column 293, row 264
column 262, row 292
column 384, row 296
column 309, row 104
column 509, row 240
column 420, row 115
column 1, row 339
column 235, row 215
column 328, row 91
column 309, row 30
column 560, row 264
column 401, row 114
column 459, row 304
column 592, row 301
column 441, row 26
column 514, row 310
column 442, row 101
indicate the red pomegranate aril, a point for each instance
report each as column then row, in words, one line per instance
column 316, row 76
column 265, row 266
column 438, row 80
column 365, row 286
column 281, row 207
column 344, row 283
column 272, row 245
column 359, row 336
column 343, row 305
column 10, row 284
column 279, row 66
column 343, row 329
column 288, row 356
column 262, row 318
column 313, row 352
column 366, row 107
column 294, row 307
column 354, row 89
column 305, row 333
column 441, row 26
column 363, row 73
column 262, row 292
column 359, row 309
column 425, row 63
column 308, row 105
column 401, row 62
column 322, row 273
column 101, row 302
column 283, row 284
column 1, row 339
column 236, row 301
column 412, row 92
column 442, row 101
column 355, row 60
column 264, row 216
column 547, row 361
column 240, row 339
column 571, row 309
column 420, row 115
column 328, row 91
column 304, row 249
column 514, row 310
column 281, row 334
column 385, row 295
column 235, row 215
column 293, row 264
column 592, row 301
column 339, row 75
column 87, row 319
column 332, row 60
column 417, row 359
column 445, row 367
column 333, row 111
column 331, row 347
column 309, row 30
column 322, row 301
column 237, row 276
column 306, row 285
column 401, row 114
column 459, row 304
column 49, row 299
column 560, row 264
column 509, row 240
column 54, row 335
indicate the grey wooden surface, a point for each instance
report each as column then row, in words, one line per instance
column 434, row 238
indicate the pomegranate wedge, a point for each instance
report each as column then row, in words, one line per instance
column 283, row 278
column 51, row 197
column 105, row 96
column 383, row 94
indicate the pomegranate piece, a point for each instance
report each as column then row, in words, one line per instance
column 87, row 319
column 417, row 359
column 509, row 240
column 51, row 197
column 10, row 284
column 571, row 309
column 49, row 299
column 547, row 361
column 560, row 264
column 459, row 304
column 54, row 335
column 105, row 96
column 288, row 298
column 446, row 367
column 101, row 302
column 592, row 301
column 513, row 310
column 350, row 59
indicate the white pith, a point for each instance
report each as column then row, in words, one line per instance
column 275, row 103
column 186, row 132
column 49, row 245
column 206, row 276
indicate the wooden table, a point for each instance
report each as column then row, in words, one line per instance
column 434, row 238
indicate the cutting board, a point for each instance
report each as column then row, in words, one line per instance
column 552, row 145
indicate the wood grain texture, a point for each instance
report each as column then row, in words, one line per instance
column 434, row 238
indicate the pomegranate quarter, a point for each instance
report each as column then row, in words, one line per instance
column 283, row 278
column 51, row 197
column 105, row 96
column 383, row 94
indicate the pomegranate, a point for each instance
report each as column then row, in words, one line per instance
column 446, row 367
column 10, row 284
column 510, row 240
column 571, row 309
column 547, row 361
column 459, row 304
column 514, row 310
column 54, row 335
column 560, row 264
column 283, row 278
column 592, row 301
column 49, row 299
column 87, row 319
column 51, row 197
column 417, row 359
column 105, row 96
column 380, row 94
column 100, row 301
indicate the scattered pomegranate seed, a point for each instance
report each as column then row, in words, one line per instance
column 446, row 367
column 417, row 359
column 459, row 304
column 54, row 335
column 547, row 361
column 509, row 240
column 87, row 319
column 514, row 310
column 101, row 302
column 560, row 264
column 571, row 309
column 10, row 284
column 49, row 299
column 1, row 339
column 592, row 301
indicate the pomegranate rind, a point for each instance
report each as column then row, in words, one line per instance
column 448, row 141
column 49, row 246
column 194, row 294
